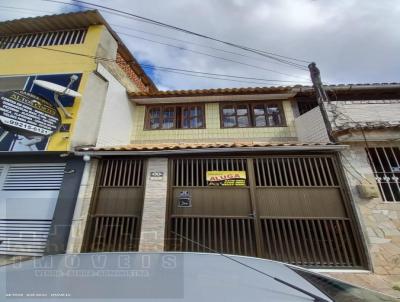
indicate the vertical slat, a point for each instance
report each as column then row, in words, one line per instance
column 343, row 244
column 238, row 236
column 285, row 235
column 293, row 245
column 321, row 259
column 349, row 242
column 279, row 239
column 319, row 182
column 330, row 242
column 306, row 247
column 273, row 171
column 321, row 165
column 306, row 172
column 309, row 235
column 321, row 231
column 328, row 169
column 298, row 239
column 244, row 237
column 250, row 229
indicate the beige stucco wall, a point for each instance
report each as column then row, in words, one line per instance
column 213, row 131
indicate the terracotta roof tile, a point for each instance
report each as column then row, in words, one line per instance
column 246, row 90
column 187, row 146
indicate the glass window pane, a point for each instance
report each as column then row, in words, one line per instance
column 196, row 122
column 241, row 110
column 243, row 121
column 154, row 112
column 169, row 112
column 229, row 110
column 168, row 123
column 185, row 123
column 258, row 110
column 229, row 121
column 195, row 111
column 260, row 121
column 185, row 112
column 154, row 123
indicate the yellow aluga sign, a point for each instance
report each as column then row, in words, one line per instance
column 226, row 178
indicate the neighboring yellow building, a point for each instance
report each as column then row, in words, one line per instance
column 39, row 176
column 53, row 48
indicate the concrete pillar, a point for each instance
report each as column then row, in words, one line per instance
column 81, row 213
column 154, row 207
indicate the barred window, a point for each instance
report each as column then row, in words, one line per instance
column 51, row 38
column 385, row 162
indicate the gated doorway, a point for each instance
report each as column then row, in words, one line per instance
column 115, row 215
column 287, row 208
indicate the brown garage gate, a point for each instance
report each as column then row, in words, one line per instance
column 289, row 208
column 114, row 222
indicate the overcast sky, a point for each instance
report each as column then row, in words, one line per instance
column 352, row 41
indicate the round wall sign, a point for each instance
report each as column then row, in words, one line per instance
column 25, row 113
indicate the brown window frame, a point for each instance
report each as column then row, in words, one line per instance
column 178, row 116
column 251, row 116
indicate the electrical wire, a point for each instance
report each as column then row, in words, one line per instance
column 207, row 54
column 173, row 70
column 271, row 55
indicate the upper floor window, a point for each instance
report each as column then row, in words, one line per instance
column 252, row 115
column 51, row 38
column 175, row 117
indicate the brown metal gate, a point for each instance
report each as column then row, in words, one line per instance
column 114, row 223
column 291, row 209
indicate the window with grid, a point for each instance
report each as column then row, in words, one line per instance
column 175, row 117
column 251, row 115
column 385, row 162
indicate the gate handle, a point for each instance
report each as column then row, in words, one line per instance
column 252, row 215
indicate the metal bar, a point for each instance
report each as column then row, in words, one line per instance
column 328, row 168
column 115, row 234
column 319, row 182
column 273, row 171
column 293, row 245
column 285, row 172
column 389, row 172
column 288, row 249
column 321, row 231
column 249, row 226
column 310, row 237
column 244, row 237
column 337, row 246
column 140, row 173
column 328, row 235
column 344, row 246
column 321, row 259
column 279, row 240
column 300, row 248
column 304, row 168
column 238, row 236
column 349, row 242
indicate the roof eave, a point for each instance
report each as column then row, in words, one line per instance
column 211, row 150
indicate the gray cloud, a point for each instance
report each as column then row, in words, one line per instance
column 353, row 41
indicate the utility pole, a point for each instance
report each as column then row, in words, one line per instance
column 322, row 97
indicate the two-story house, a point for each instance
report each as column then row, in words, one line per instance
column 221, row 170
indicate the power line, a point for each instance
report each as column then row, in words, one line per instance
column 218, row 74
column 274, row 56
column 173, row 70
column 209, row 55
column 191, row 42
column 174, row 46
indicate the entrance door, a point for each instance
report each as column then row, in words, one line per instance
column 290, row 208
column 28, row 197
column 218, row 218
column 114, row 222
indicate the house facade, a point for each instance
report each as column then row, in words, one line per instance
column 251, row 171
column 40, row 177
